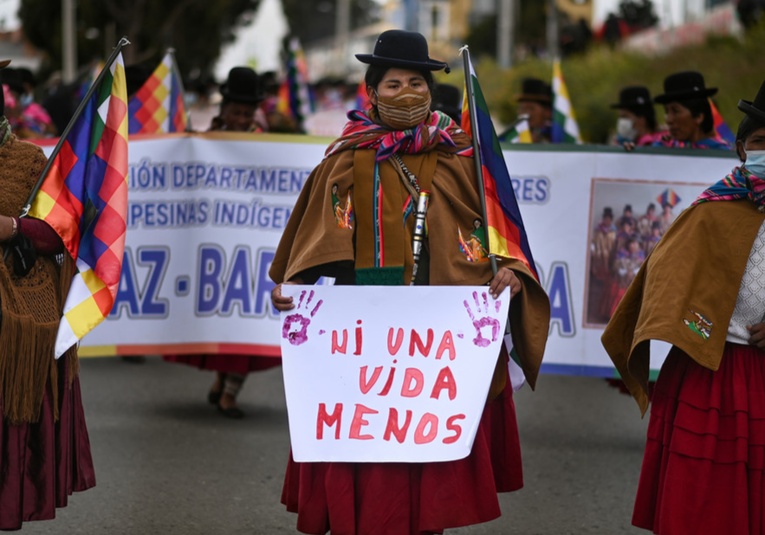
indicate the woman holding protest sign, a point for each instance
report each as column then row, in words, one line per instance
column 354, row 221
column 44, row 445
column 702, row 289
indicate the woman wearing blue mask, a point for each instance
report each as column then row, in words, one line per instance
column 702, row 289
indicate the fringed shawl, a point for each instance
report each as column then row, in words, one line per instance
column 31, row 306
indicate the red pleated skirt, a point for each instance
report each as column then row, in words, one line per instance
column 240, row 364
column 411, row 498
column 702, row 472
column 42, row 464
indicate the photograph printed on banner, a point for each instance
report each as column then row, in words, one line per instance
column 627, row 219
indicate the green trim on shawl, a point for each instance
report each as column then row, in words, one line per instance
column 385, row 276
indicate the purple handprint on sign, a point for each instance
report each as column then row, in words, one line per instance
column 482, row 307
column 295, row 326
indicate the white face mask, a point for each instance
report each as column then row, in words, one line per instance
column 755, row 162
column 625, row 129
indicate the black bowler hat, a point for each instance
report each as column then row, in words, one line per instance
column 241, row 86
column 686, row 85
column 756, row 109
column 135, row 76
column 399, row 48
column 12, row 78
column 636, row 96
column 535, row 90
column 448, row 99
column 3, row 64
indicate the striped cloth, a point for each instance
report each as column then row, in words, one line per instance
column 362, row 132
column 565, row 129
column 739, row 184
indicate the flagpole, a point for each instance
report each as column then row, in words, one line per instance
column 182, row 89
column 477, row 150
column 28, row 205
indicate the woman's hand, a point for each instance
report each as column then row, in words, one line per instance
column 281, row 302
column 757, row 335
column 629, row 146
column 8, row 228
column 505, row 277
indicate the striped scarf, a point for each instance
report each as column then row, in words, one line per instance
column 437, row 131
column 715, row 142
column 739, row 184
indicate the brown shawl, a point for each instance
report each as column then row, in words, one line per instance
column 317, row 241
column 31, row 306
column 690, row 279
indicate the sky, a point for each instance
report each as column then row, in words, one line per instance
column 258, row 44
column 8, row 19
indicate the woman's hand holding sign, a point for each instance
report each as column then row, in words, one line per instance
column 282, row 303
column 505, row 277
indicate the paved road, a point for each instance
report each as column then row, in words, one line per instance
column 168, row 463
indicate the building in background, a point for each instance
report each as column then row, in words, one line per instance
column 12, row 43
column 445, row 23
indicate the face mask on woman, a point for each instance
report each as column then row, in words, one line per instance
column 625, row 129
column 406, row 109
column 755, row 162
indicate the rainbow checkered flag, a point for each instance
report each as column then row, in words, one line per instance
column 158, row 106
column 722, row 130
column 668, row 196
column 564, row 126
column 518, row 133
column 83, row 196
column 505, row 231
column 294, row 97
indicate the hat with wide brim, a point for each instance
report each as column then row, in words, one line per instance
column 636, row 96
column 448, row 99
column 756, row 108
column 241, row 86
column 3, row 64
column 535, row 90
column 686, row 85
column 400, row 48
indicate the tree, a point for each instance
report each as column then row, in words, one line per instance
column 314, row 20
column 196, row 29
column 530, row 30
column 638, row 15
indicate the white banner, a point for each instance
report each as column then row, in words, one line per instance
column 388, row 374
column 207, row 211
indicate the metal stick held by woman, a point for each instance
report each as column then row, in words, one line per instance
column 419, row 230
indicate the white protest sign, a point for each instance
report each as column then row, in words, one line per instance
column 388, row 373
